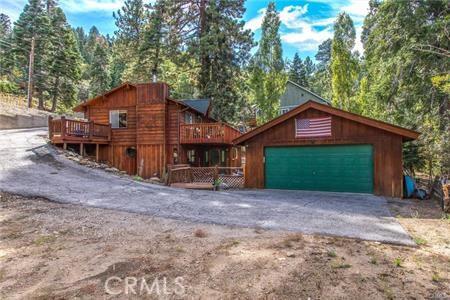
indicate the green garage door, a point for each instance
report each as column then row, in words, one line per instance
column 320, row 168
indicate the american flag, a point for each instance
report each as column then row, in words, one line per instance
column 313, row 127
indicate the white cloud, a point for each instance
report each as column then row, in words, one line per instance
column 357, row 9
column 306, row 37
column 12, row 8
column 255, row 23
column 358, row 44
column 80, row 6
column 290, row 15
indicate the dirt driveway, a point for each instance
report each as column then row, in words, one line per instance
column 29, row 167
column 64, row 251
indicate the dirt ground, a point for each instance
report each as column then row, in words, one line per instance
column 58, row 251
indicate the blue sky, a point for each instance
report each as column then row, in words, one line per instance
column 304, row 23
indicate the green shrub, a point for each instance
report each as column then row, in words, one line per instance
column 8, row 87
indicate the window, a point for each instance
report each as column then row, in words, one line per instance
column 118, row 118
column 175, row 155
column 284, row 110
column 234, row 153
column 191, row 156
column 188, row 118
column 222, row 156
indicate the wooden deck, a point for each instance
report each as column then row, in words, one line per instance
column 208, row 133
column 193, row 185
column 65, row 131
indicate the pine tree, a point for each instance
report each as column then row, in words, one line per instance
column 297, row 71
column 343, row 64
column 268, row 78
column 400, row 73
column 99, row 74
column 131, row 21
column 34, row 23
column 224, row 47
column 5, row 25
column 64, row 61
column 320, row 81
column 323, row 55
column 309, row 69
column 152, row 49
column 6, row 59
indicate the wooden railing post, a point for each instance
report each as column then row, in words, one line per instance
column 63, row 127
column 91, row 129
column 216, row 173
column 50, row 127
column 109, row 132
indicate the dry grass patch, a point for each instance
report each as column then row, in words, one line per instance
column 200, row 233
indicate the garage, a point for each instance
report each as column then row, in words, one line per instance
column 317, row 147
column 345, row 168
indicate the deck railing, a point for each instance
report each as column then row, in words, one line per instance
column 66, row 128
column 226, row 177
column 207, row 133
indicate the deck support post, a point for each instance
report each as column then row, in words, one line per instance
column 65, row 146
column 97, row 150
column 81, row 149
column 50, row 127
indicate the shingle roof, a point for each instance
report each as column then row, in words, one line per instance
column 200, row 105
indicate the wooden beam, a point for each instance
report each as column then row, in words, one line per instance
column 81, row 149
column 65, row 146
column 50, row 127
column 97, row 150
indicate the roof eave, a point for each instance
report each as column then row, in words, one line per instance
column 407, row 134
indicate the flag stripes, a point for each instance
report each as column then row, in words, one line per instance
column 317, row 127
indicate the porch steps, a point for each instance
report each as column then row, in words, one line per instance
column 193, row 185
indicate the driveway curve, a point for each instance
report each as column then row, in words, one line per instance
column 28, row 166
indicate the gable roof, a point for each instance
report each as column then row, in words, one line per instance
column 80, row 107
column 200, row 105
column 407, row 134
column 308, row 91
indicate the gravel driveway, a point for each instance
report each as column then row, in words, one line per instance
column 29, row 167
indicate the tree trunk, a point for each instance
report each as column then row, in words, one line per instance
column 55, row 95
column 40, row 101
column 204, row 59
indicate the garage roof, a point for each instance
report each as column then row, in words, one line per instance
column 407, row 134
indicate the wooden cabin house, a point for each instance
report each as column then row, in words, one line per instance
column 140, row 129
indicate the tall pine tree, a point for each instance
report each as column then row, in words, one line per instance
column 99, row 74
column 297, row 71
column 64, row 60
column 34, row 23
column 268, row 78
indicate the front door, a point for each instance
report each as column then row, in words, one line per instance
column 215, row 157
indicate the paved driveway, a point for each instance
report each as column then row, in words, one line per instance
column 29, row 167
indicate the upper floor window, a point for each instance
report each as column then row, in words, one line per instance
column 284, row 110
column 188, row 118
column 118, row 118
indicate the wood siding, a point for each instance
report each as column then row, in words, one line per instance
column 152, row 128
column 387, row 150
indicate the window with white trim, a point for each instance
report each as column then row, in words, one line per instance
column 191, row 156
column 118, row 118
column 188, row 118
